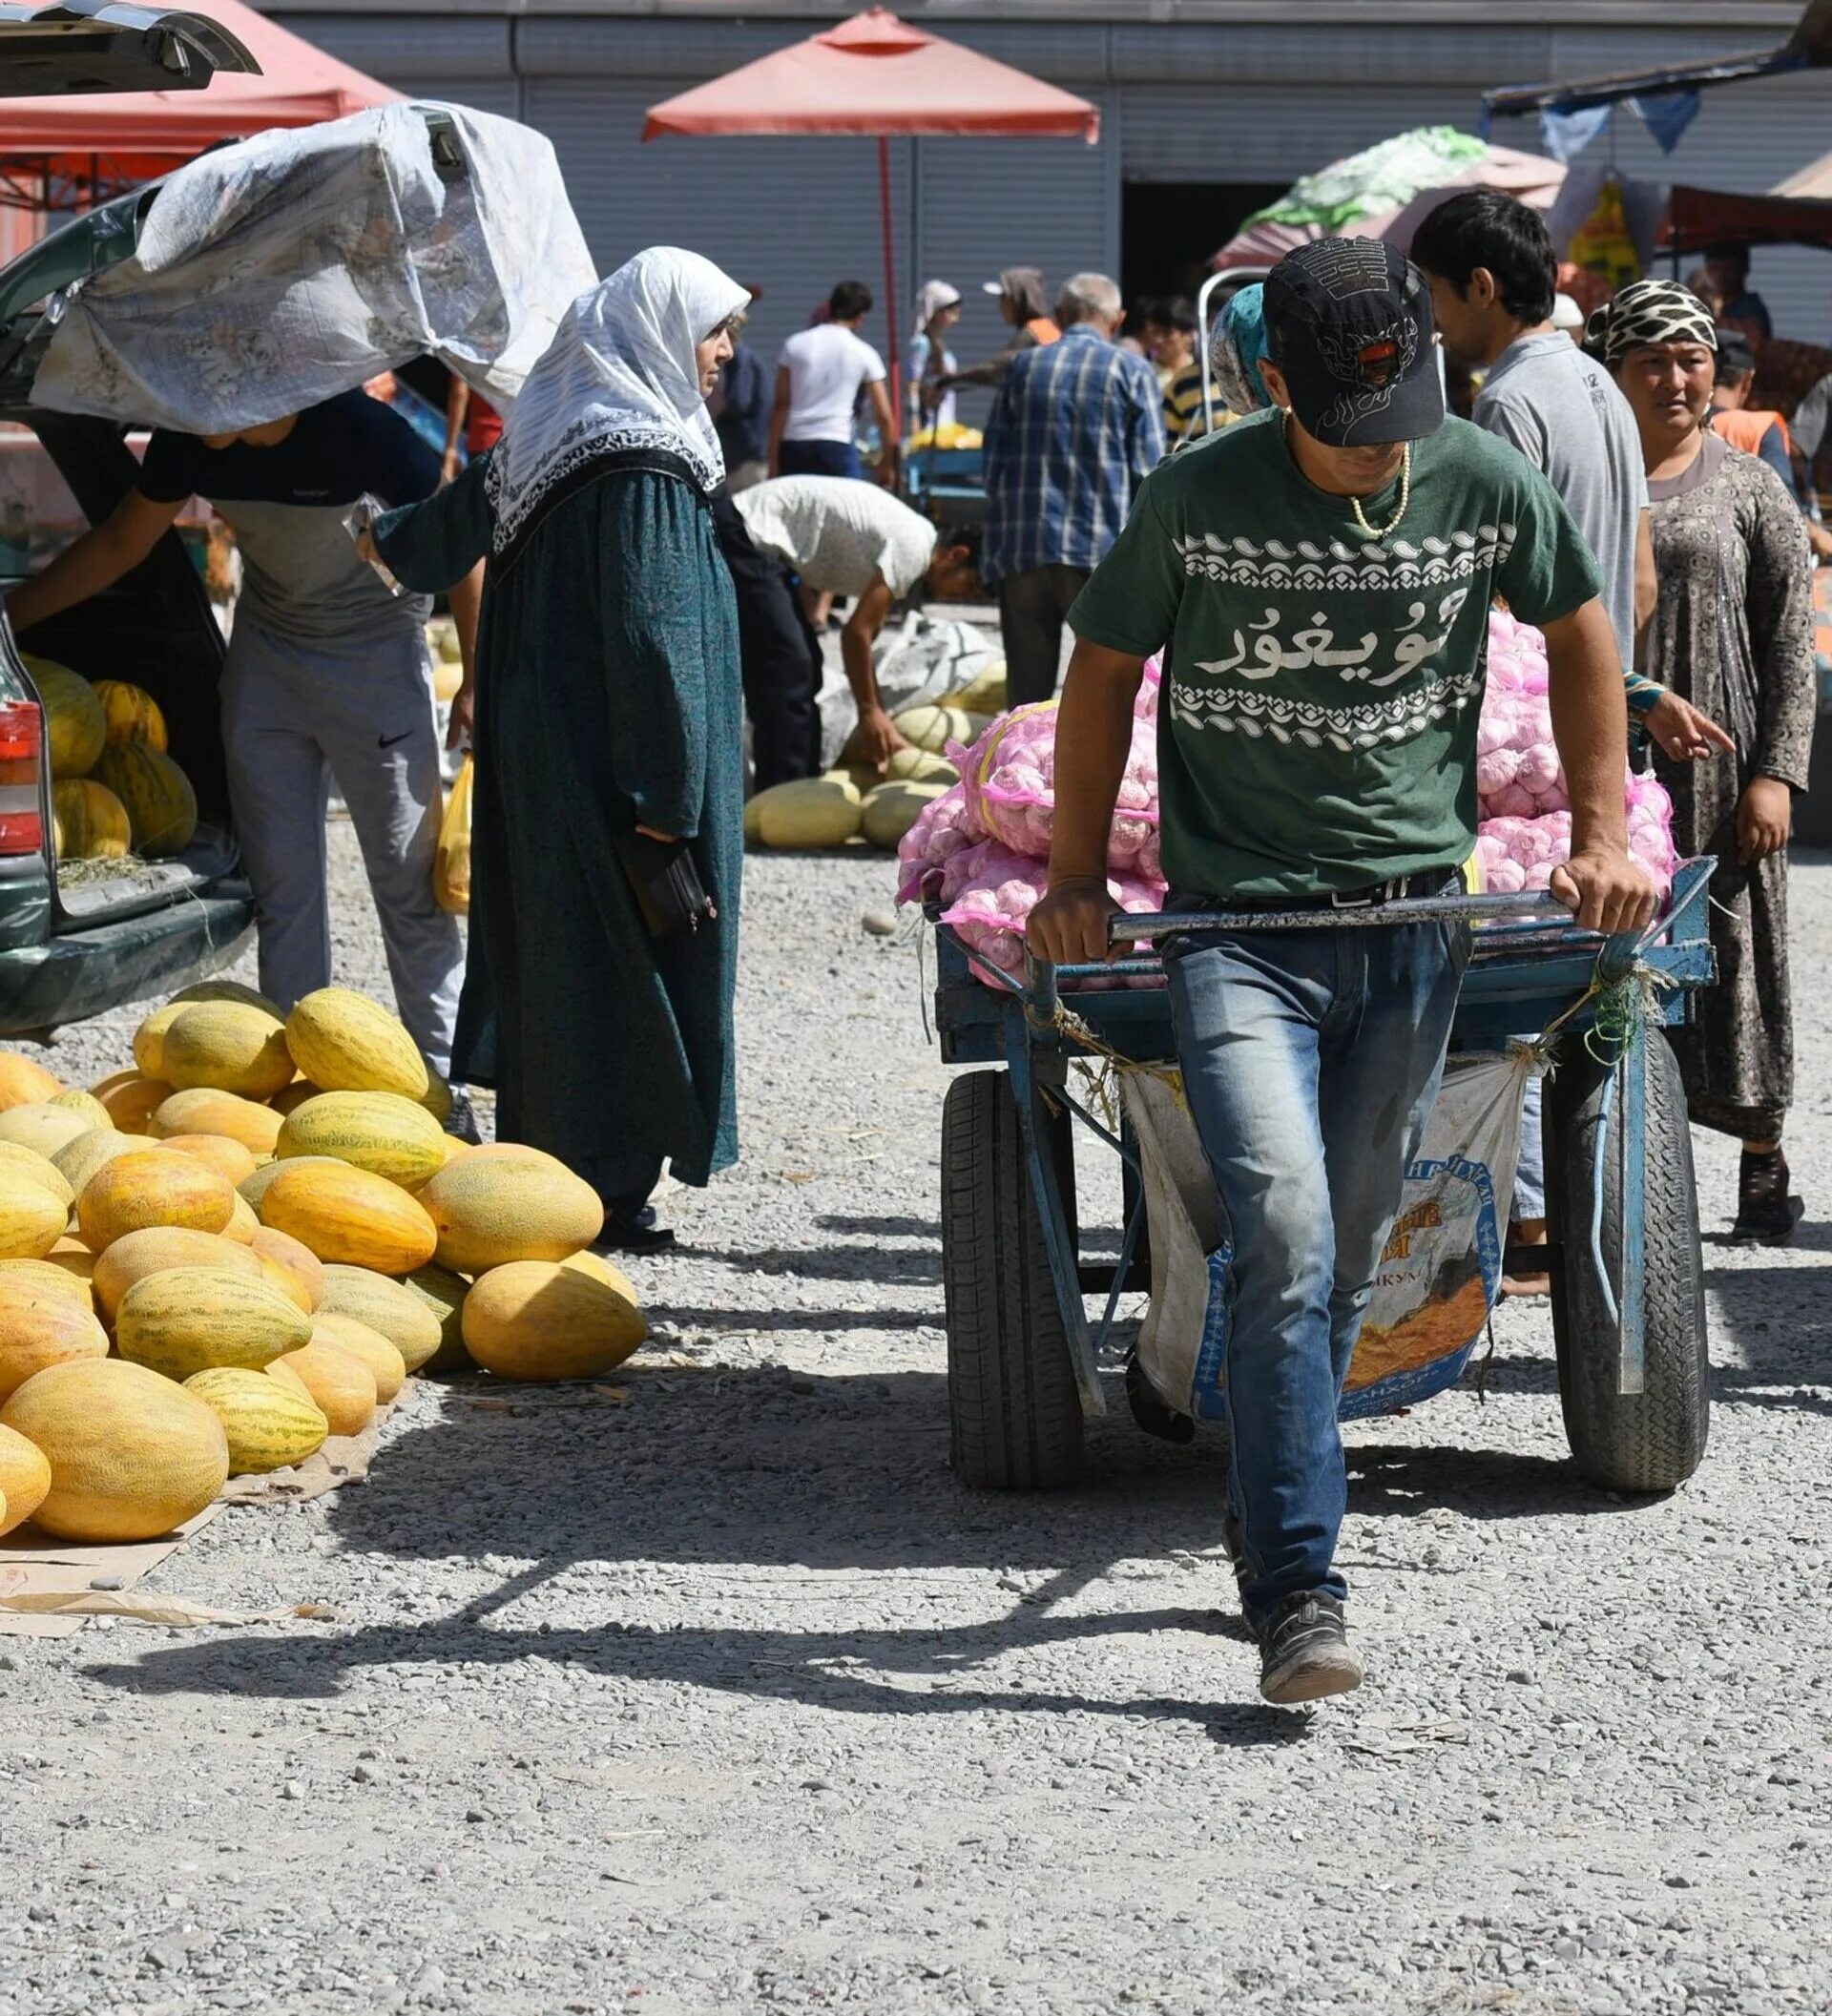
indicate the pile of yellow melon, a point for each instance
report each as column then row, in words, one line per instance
column 855, row 799
column 247, row 1243
column 114, row 787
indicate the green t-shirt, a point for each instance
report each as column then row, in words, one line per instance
column 1317, row 724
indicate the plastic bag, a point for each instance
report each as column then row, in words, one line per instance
column 451, row 864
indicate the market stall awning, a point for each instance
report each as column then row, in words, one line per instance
column 877, row 76
column 1696, row 220
column 1808, row 47
column 144, row 132
column 1387, row 190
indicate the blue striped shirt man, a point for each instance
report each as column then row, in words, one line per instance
column 1078, row 426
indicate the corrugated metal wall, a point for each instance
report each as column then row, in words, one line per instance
column 1260, row 102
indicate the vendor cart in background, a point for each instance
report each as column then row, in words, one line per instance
column 1624, row 1253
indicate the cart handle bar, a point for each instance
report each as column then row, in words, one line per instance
column 1128, row 927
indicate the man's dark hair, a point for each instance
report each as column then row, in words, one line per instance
column 849, row 301
column 1176, row 311
column 1736, row 356
column 1484, row 228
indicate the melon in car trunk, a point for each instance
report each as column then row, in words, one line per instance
column 161, row 806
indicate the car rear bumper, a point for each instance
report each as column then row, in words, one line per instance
column 78, row 974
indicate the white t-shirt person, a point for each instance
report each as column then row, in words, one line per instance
column 828, row 367
column 839, row 536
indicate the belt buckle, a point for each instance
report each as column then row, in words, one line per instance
column 1361, row 899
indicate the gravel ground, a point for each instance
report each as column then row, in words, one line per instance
column 714, row 1692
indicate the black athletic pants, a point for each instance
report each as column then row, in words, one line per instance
column 782, row 666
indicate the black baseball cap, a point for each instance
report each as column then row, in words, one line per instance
column 1348, row 321
column 1736, row 354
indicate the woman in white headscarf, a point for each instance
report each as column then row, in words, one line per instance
column 608, row 702
column 938, row 308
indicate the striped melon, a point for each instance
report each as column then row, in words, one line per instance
column 539, row 1320
column 808, row 812
column 75, row 726
column 266, row 1426
column 185, row 1318
column 206, row 1112
column 132, row 1098
column 42, row 1326
column 438, row 1101
column 295, row 1096
column 293, row 1269
column 31, row 1218
column 92, row 1152
column 24, row 1083
column 346, row 1043
column 892, row 810
column 151, row 1187
column 228, row 990
column 341, row 1387
column 255, row 1187
column 156, row 1250
column 385, row 1364
column 25, row 1478
column 89, row 1109
column 349, row 1215
column 149, row 1039
column 390, row 1309
column 131, row 714
column 131, row 1454
column 52, row 1279
column 25, row 1162
column 161, row 806
column 228, row 1046
column 933, row 728
column 89, row 822
column 42, row 1128
column 381, row 1132
column 444, row 1293
column 233, row 1162
column 244, row 1224
column 492, row 1207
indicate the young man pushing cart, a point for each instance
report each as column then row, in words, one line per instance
column 1319, row 580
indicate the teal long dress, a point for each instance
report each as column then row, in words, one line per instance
column 608, row 697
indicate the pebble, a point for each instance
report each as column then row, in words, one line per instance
column 727, row 1696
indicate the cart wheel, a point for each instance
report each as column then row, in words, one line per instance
column 1014, row 1412
column 1653, row 1440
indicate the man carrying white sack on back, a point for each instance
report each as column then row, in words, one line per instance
column 327, row 674
column 1318, row 578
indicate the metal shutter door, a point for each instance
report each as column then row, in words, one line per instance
column 791, row 217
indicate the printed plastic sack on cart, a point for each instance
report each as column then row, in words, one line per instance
column 918, row 664
column 1438, row 1278
column 296, row 265
column 451, row 864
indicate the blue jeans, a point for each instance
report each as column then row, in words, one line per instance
column 1310, row 1061
column 821, row 458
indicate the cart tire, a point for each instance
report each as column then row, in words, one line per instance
column 1653, row 1440
column 1014, row 1414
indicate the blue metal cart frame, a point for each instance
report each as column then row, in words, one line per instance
column 1623, row 1251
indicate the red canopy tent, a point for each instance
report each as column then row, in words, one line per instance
column 875, row 74
column 119, row 138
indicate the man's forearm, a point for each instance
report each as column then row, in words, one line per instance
column 1094, row 736
column 855, row 656
column 467, row 601
column 1590, row 725
column 80, row 570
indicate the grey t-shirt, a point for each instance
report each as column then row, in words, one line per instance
column 1565, row 414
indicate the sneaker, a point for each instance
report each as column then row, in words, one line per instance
column 461, row 1122
column 1304, row 1652
column 1766, row 1215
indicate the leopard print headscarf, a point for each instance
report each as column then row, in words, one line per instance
column 1648, row 311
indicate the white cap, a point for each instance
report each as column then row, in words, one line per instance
column 991, row 286
column 1566, row 313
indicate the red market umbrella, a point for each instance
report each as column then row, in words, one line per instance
column 125, row 137
column 875, row 74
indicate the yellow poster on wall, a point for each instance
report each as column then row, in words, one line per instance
column 1602, row 244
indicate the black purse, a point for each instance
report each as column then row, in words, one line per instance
column 665, row 884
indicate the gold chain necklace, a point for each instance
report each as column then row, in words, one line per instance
column 1392, row 525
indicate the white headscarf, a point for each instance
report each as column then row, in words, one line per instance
column 618, row 374
column 935, row 295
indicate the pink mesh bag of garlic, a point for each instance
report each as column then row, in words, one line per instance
column 1010, row 780
column 990, row 908
column 1518, row 774
column 1516, row 854
column 945, row 829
